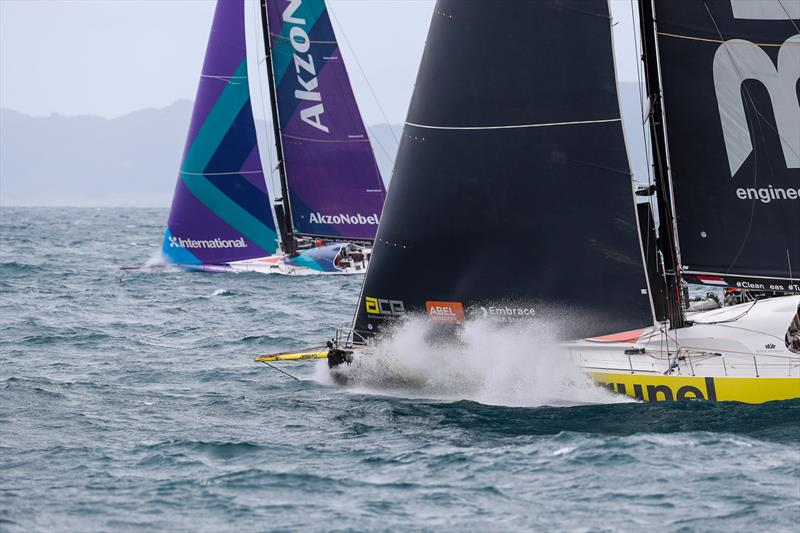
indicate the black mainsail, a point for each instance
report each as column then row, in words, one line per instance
column 512, row 191
column 729, row 76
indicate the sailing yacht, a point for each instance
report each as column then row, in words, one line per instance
column 514, row 144
column 226, row 215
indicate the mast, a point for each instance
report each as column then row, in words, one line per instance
column 667, row 234
column 283, row 210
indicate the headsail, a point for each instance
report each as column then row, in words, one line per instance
column 512, row 194
column 221, row 210
column 730, row 71
column 335, row 187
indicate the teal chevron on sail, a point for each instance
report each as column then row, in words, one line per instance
column 232, row 213
column 230, row 103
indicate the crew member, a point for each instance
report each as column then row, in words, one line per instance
column 793, row 333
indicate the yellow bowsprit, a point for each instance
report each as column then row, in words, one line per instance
column 310, row 353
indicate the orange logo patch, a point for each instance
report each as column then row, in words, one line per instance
column 445, row 312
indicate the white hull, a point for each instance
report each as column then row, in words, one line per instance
column 741, row 348
column 745, row 340
column 338, row 258
column 278, row 264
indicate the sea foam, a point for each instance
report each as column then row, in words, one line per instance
column 521, row 365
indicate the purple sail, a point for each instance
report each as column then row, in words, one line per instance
column 335, row 187
column 220, row 210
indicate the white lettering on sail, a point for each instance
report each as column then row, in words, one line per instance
column 301, row 43
column 178, row 242
column 300, row 40
column 738, row 60
column 307, row 65
column 311, row 116
column 307, row 95
column 342, row 218
column 765, row 9
column 309, row 86
column 291, row 9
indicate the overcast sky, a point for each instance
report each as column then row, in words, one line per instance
column 111, row 57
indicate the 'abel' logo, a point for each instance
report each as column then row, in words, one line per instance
column 445, row 312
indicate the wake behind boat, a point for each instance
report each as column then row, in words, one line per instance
column 544, row 172
column 322, row 216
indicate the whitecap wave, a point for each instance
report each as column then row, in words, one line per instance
column 222, row 292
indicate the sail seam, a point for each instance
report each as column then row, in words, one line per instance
column 325, row 140
column 719, row 41
column 514, row 126
column 221, row 173
column 279, row 36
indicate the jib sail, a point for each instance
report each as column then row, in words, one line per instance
column 730, row 71
column 220, row 209
column 334, row 185
column 511, row 196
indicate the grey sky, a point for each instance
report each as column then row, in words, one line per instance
column 110, row 57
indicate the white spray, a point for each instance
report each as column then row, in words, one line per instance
column 491, row 363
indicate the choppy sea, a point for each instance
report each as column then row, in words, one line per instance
column 133, row 403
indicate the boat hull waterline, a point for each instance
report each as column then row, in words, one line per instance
column 735, row 353
column 326, row 259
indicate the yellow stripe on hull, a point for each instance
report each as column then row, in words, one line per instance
column 298, row 356
column 653, row 387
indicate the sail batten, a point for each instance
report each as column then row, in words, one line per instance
column 718, row 41
column 513, row 126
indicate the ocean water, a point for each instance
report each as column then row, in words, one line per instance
column 132, row 402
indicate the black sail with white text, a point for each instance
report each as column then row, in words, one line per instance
column 730, row 72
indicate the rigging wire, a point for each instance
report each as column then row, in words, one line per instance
column 275, row 186
column 788, row 16
column 732, row 319
column 358, row 63
column 281, row 371
column 369, row 85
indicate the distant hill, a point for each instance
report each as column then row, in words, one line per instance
column 91, row 161
column 133, row 160
column 88, row 161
